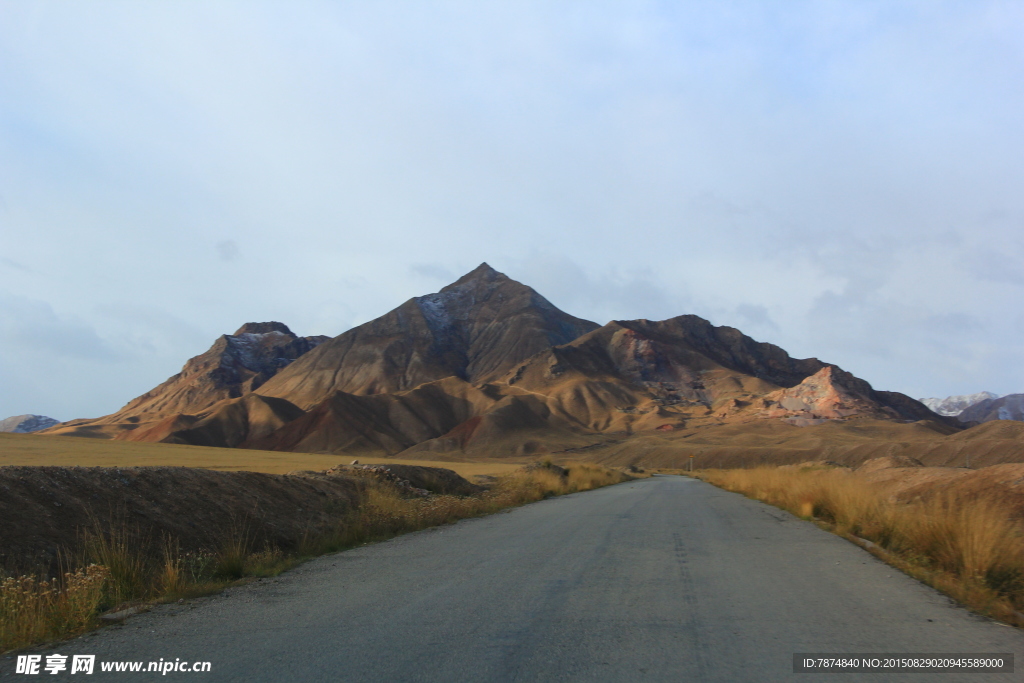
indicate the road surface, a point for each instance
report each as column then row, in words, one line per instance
column 661, row 579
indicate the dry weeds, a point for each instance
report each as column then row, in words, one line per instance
column 33, row 610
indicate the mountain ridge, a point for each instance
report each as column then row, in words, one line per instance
column 1009, row 407
column 951, row 406
column 472, row 329
column 23, row 424
column 487, row 367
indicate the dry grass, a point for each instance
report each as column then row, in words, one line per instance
column 120, row 572
column 969, row 546
column 77, row 451
column 127, row 570
column 32, row 610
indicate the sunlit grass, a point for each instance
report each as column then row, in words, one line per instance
column 34, row 610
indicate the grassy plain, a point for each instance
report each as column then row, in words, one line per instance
column 75, row 451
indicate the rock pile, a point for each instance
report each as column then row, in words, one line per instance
column 382, row 473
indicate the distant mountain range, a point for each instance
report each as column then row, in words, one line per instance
column 21, row 424
column 981, row 407
column 951, row 406
column 487, row 366
column 1009, row 407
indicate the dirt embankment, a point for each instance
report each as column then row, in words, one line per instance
column 45, row 510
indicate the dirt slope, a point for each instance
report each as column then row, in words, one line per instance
column 45, row 509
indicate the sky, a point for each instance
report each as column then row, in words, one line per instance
column 842, row 179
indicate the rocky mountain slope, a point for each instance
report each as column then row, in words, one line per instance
column 474, row 329
column 233, row 367
column 486, row 368
column 22, row 424
column 1010, row 407
column 951, row 406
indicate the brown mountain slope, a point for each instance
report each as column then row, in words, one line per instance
column 628, row 378
column 232, row 422
column 517, row 424
column 234, row 366
column 994, row 430
column 620, row 380
column 379, row 424
column 488, row 368
column 474, row 329
column 643, row 374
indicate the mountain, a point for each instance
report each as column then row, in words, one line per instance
column 487, row 367
column 22, row 424
column 674, row 376
column 379, row 423
column 688, row 370
column 233, row 367
column 228, row 423
column 951, row 406
column 1009, row 407
column 474, row 329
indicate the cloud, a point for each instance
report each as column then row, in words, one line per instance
column 841, row 179
column 228, row 250
column 756, row 316
column 31, row 327
column 10, row 263
column 998, row 266
column 613, row 294
column 432, row 272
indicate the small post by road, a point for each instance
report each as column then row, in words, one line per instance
column 691, row 463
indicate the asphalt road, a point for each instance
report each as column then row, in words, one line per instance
column 663, row 579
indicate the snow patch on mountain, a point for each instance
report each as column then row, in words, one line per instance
column 952, row 406
column 247, row 348
column 23, row 424
column 435, row 309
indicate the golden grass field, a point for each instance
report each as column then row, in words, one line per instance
column 73, row 451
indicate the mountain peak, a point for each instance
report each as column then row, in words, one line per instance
column 951, row 406
column 477, row 329
column 482, row 273
column 263, row 328
column 23, row 424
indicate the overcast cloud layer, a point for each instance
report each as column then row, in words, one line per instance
column 843, row 179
